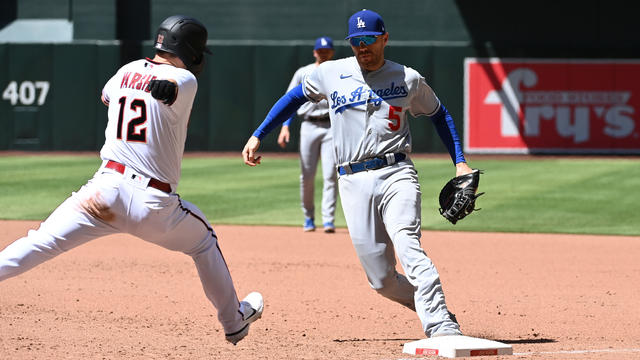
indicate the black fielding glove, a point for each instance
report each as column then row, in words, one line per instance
column 163, row 90
column 458, row 196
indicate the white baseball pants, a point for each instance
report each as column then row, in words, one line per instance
column 148, row 213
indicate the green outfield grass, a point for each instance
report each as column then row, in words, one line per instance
column 551, row 195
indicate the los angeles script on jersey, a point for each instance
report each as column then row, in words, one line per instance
column 136, row 81
column 362, row 95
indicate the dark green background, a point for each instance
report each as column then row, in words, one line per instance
column 258, row 45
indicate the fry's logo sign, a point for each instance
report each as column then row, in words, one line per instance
column 571, row 110
column 551, row 106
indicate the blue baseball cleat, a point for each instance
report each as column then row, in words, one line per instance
column 329, row 228
column 308, row 225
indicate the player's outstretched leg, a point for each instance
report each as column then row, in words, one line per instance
column 66, row 228
column 188, row 231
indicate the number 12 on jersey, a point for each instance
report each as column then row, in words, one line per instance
column 136, row 131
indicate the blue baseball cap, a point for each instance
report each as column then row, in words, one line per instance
column 365, row 22
column 323, row 42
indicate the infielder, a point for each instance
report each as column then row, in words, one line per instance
column 369, row 98
column 134, row 190
column 315, row 142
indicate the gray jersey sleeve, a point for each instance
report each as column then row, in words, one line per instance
column 423, row 101
column 312, row 85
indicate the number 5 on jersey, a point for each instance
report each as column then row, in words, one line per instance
column 136, row 129
column 394, row 116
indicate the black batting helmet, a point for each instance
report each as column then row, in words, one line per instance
column 186, row 38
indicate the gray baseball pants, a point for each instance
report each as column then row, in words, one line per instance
column 316, row 142
column 383, row 209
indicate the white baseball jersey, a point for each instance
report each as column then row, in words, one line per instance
column 310, row 108
column 143, row 133
column 372, row 105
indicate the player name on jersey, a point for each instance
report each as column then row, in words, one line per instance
column 136, row 81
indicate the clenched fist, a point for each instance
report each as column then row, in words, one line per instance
column 164, row 90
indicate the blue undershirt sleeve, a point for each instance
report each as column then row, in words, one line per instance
column 282, row 110
column 288, row 121
column 447, row 132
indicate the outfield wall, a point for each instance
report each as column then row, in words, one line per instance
column 259, row 44
column 51, row 92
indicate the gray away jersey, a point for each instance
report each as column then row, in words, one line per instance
column 368, row 109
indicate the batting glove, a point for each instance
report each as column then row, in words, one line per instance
column 163, row 90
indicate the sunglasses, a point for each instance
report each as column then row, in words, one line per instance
column 366, row 39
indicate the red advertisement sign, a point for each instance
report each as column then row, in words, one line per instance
column 552, row 106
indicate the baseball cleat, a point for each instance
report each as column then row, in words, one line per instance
column 329, row 228
column 251, row 308
column 308, row 225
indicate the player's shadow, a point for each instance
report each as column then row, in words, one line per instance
column 504, row 341
column 526, row 341
column 373, row 340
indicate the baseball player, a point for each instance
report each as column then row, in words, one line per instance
column 133, row 192
column 315, row 142
column 369, row 98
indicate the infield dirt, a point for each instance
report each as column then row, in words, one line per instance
column 118, row 297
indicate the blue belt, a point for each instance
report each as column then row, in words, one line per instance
column 371, row 164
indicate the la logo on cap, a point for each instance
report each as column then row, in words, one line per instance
column 324, row 42
column 361, row 23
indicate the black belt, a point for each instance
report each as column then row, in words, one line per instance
column 371, row 164
column 162, row 186
column 318, row 118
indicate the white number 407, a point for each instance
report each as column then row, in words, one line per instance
column 26, row 92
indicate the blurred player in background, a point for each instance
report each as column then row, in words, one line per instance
column 133, row 192
column 315, row 142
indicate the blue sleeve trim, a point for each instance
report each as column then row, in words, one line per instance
column 282, row 110
column 447, row 132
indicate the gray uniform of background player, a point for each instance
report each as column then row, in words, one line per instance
column 315, row 143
